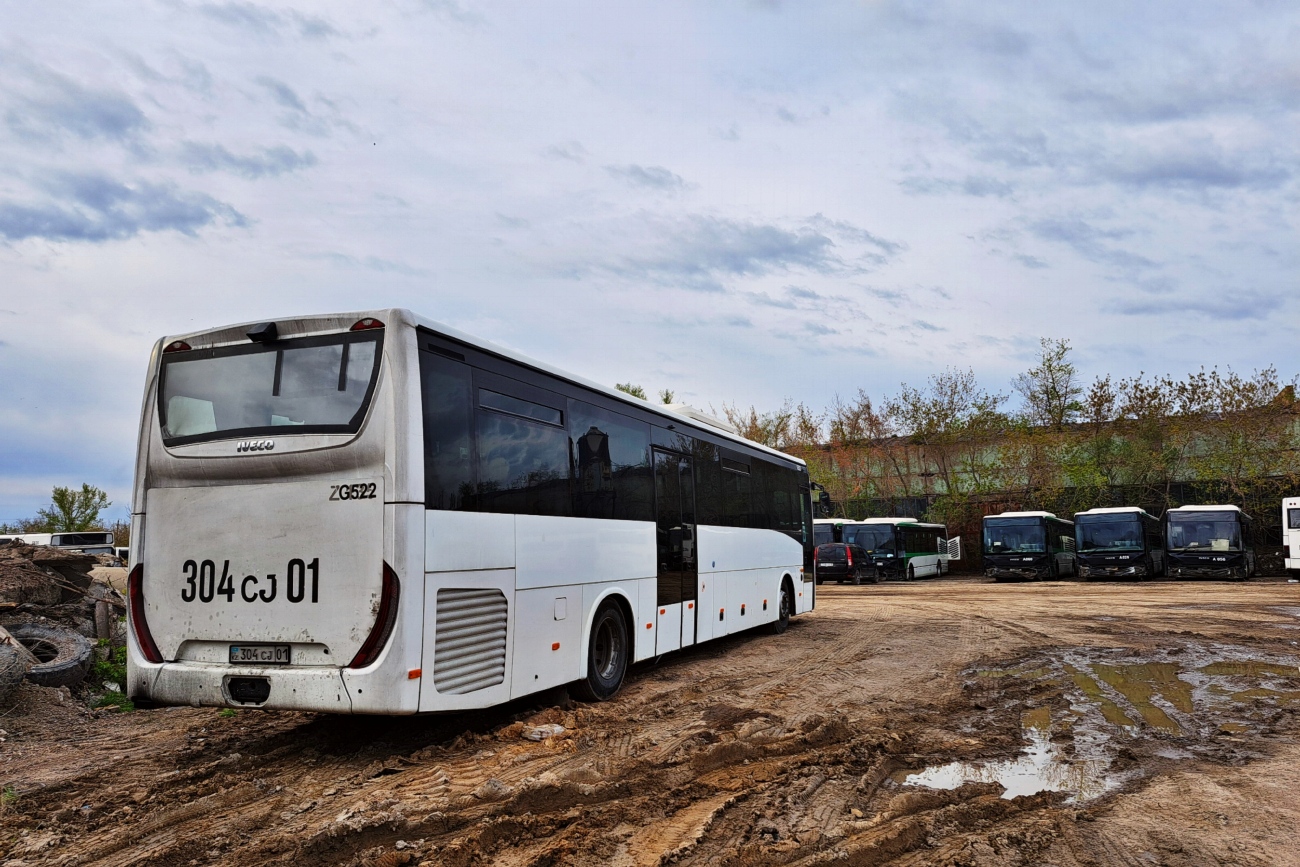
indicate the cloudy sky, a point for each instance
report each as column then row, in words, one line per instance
column 741, row 201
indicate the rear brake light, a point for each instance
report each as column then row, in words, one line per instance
column 366, row 324
column 384, row 621
column 135, row 596
column 177, row 346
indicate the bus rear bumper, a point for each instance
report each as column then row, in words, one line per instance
column 265, row 687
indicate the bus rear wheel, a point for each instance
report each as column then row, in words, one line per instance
column 784, row 609
column 607, row 654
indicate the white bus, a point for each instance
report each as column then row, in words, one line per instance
column 1291, row 534
column 86, row 541
column 374, row 513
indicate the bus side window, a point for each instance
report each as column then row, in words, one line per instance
column 736, row 508
column 708, row 483
column 611, row 459
column 448, row 462
column 523, row 465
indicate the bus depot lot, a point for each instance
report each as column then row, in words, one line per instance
column 1165, row 712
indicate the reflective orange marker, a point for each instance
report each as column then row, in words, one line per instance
column 555, row 646
column 649, row 626
column 413, row 674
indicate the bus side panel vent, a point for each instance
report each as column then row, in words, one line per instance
column 470, row 648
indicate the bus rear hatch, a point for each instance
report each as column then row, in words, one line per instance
column 277, row 574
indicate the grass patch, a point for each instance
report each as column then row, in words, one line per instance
column 227, row 713
column 111, row 669
column 8, row 796
column 115, row 700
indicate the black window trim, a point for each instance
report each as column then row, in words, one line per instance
column 496, row 409
column 499, row 367
column 353, row 425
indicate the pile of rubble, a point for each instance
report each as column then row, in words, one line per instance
column 54, row 606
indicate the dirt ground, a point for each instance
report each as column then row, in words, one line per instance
column 890, row 726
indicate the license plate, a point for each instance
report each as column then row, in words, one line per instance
column 825, row 565
column 261, row 654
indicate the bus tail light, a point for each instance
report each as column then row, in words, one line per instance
column 366, row 324
column 384, row 621
column 135, row 596
column 177, row 346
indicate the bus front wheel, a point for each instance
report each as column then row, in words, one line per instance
column 607, row 654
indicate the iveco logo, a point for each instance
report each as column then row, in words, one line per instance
column 255, row 445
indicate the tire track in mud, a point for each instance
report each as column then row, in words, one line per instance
column 753, row 750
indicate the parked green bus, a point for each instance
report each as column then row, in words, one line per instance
column 904, row 547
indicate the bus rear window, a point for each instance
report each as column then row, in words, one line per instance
column 310, row 385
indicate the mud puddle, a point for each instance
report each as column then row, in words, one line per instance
column 1093, row 720
column 1043, row 766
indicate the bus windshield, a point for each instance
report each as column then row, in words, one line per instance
column 1009, row 538
column 1206, row 531
column 874, row 538
column 1120, row 535
column 310, row 385
column 823, row 534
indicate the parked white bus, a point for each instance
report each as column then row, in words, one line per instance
column 1291, row 534
column 374, row 513
column 87, row 541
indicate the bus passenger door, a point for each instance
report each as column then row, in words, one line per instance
column 675, row 538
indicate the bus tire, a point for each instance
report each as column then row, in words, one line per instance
column 608, row 651
column 784, row 608
column 911, row 572
column 64, row 655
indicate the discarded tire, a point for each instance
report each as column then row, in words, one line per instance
column 13, row 668
column 63, row 655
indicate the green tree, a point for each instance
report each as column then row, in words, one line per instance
column 1051, row 390
column 629, row 388
column 666, row 395
column 72, row 511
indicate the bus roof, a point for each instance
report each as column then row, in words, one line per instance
column 330, row 323
column 1116, row 510
column 1224, row 508
column 1037, row 514
column 896, row 521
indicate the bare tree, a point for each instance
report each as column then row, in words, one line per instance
column 954, row 420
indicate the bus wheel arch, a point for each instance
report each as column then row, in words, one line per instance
column 609, row 651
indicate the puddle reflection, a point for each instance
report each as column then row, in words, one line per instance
column 1042, row 768
column 1187, row 701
